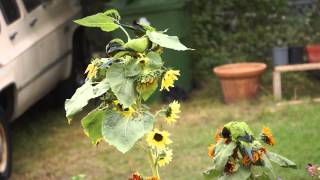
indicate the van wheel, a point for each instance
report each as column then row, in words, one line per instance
column 5, row 147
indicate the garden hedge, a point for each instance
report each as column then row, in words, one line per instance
column 238, row 31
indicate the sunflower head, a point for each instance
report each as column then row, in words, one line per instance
column 92, row 69
column 168, row 79
column 217, row 136
column 128, row 112
column 172, row 112
column 158, row 139
column 211, row 151
column 136, row 176
column 267, row 137
column 257, row 154
column 152, row 178
column 246, row 161
column 229, row 168
column 165, row 157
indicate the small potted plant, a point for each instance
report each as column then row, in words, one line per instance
column 239, row 154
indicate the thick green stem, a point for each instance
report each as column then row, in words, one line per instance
column 127, row 34
column 153, row 165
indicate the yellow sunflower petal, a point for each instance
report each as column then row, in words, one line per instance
column 172, row 112
column 168, row 79
column 166, row 159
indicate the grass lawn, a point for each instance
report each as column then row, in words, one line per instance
column 45, row 147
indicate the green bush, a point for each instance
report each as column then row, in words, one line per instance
column 238, row 31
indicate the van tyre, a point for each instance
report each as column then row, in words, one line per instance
column 5, row 147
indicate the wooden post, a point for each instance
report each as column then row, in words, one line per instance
column 277, row 91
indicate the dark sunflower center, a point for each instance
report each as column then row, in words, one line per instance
column 158, row 137
column 169, row 112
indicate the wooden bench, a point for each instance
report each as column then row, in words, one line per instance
column 277, row 91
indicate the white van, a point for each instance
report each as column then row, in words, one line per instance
column 40, row 46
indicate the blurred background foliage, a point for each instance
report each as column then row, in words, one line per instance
column 238, row 31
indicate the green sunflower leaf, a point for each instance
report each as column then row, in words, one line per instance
column 139, row 44
column 211, row 173
column 155, row 60
column 100, row 20
column 82, row 96
column 122, row 132
column 282, row 161
column 268, row 169
column 171, row 42
column 146, row 90
column 222, row 154
column 121, row 86
column 92, row 125
column 132, row 68
column 242, row 173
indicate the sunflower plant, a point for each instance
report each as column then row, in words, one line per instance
column 121, row 82
column 238, row 154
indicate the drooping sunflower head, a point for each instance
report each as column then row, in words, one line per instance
column 246, row 161
column 136, row 176
column 126, row 112
column 267, row 137
column 171, row 114
column 158, row 139
column 168, row 79
column 257, row 154
column 229, row 168
column 211, row 151
column 152, row 178
column 165, row 157
column 218, row 136
column 92, row 69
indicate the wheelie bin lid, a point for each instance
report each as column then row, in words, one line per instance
column 132, row 7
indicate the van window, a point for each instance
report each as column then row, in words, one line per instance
column 31, row 4
column 10, row 10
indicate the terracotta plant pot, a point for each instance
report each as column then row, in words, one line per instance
column 239, row 81
column 313, row 53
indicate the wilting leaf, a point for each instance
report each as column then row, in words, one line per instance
column 241, row 174
column 122, row 132
column 268, row 169
column 222, row 154
column 121, row 86
column 82, row 96
column 282, row 161
column 132, row 68
column 92, row 125
column 155, row 60
column 147, row 89
column 211, row 173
